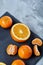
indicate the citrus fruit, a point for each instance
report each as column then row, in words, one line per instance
column 25, row 52
column 18, row 62
column 36, row 51
column 20, row 32
column 11, row 49
column 37, row 41
column 1, row 63
column 5, row 22
column 0, row 22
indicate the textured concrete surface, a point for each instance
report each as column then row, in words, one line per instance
column 29, row 12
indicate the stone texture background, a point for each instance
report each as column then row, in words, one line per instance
column 29, row 12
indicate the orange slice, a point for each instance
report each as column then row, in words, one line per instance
column 36, row 51
column 1, row 63
column 20, row 32
column 5, row 22
column 37, row 41
column 18, row 62
column 25, row 52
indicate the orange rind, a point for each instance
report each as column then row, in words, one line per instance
column 25, row 52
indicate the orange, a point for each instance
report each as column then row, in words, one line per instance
column 1, row 63
column 25, row 52
column 18, row 62
column 11, row 49
column 20, row 32
column 0, row 22
column 5, row 22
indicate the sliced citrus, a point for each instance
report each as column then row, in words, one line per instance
column 25, row 52
column 36, row 51
column 18, row 62
column 20, row 32
column 37, row 41
column 1, row 63
column 5, row 22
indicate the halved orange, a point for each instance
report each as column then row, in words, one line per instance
column 1, row 63
column 18, row 62
column 20, row 32
column 5, row 22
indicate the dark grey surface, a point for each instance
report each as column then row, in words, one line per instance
column 6, row 39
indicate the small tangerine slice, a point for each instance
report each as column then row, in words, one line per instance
column 36, row 51
column 5, row 22
column 25, row 52
column 37, row 41
column 18, row 62
column 20, row 32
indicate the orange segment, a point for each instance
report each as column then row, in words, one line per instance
column 36, row 51
column 5, row 22
column 18, row 62
column 37, row 41
column 25, row 52
column 20, row 32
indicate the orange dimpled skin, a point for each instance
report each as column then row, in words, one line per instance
column 5, row 22
column 18, row 62
column 25, row 52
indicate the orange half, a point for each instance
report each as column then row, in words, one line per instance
column 20, row 32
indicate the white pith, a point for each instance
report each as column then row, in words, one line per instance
column 2, row 63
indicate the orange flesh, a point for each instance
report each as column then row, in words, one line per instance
column 37, row 41
column 36, row 51
column 21, row 31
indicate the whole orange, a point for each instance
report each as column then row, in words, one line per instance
column 25, row 52
column 18, row 62
column 5, row 22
